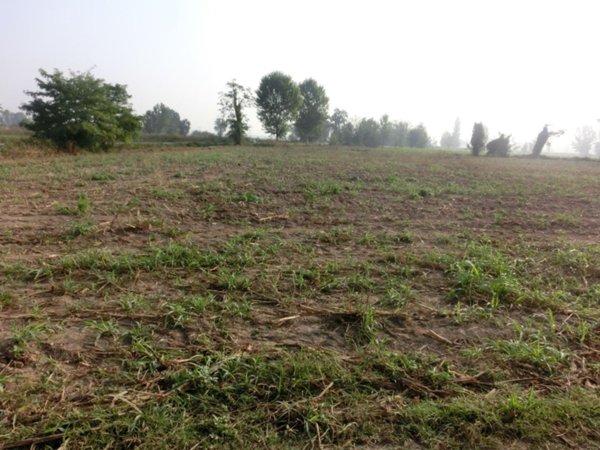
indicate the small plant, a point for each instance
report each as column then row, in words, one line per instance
column 131, row 302
column 103, row 176
column 108, row 327
column 397, row 296
column 420, row 193
column 247, row 197
column 176, row 315
column 83, row 204
column 80, row 228
column 25, row 334
column 368, row 325
column 538, row 353
column 6, row 299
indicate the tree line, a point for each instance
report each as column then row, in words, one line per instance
column 82, row 111
column 300, row 112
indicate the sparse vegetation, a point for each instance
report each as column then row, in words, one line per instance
column 322, row 297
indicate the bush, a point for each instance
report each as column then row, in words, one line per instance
column 80, row 112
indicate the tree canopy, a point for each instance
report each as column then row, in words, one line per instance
column 80, row 111
column 499, row 146
column 478, row 138
column 584, row 138
column 418, row 137
column 312, row 115
column 232, row 103
column 165, row 121
column 278, row 100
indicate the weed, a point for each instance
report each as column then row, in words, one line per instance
column 80, row 228
column 247, row 197
column 83, row 204
column 103, row 176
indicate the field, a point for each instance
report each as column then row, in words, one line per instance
column 299, row 297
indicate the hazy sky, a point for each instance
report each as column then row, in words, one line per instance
column 514, row 65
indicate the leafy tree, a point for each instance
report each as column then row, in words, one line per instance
column 347, row 134
column 80, row 111
column 163, row 120
column 368, row 133
column 337, row 120
column 312, row 115
column 232, row 103
column 543, row 138
column 478, row 138
column 399, row 134
column 584, row 138
column 452, row 140
column 499, row 146
column 11, row 119
column 456, row 134
column 418, row 137
column 220, row 126
column 278, row 100
column 446, row 140
column 385, row 130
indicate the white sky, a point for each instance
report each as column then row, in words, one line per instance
column 514, row 65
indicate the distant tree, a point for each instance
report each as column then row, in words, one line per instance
column 80, row 111
column 347, row 134
column 584, row 138
column 499, row 146
column 11, row 119
column 451, row 140
column 446, row 140
column 220, row 126
column 418, row 137
column 456, row 134
column 337, row 120
column 543, row 139
column 232, row 103
column 202, row 134
column 163, row 120
column 312, row 115
column 368, row 133
column 278, row 100
column 478, row 138
column 399, row 134
column 385, row 130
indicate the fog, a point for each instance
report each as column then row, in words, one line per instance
column 512, row 65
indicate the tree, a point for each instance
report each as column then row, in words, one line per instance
column 446, row 140
column 278, row 100
column 220, row 126
column 80, row 111
column 478, row 138
column 452, row 140
column 399, row 134
column 584, row 138
column 347, row 134
column 543, row 139
column 368, row 133
column 312, row 115
column 163, row 120
column 232, row 103
column 385, row 129
column 499, row 146
column 11, row 119
column 337, row 120
column 418, row 137
column 456, row 134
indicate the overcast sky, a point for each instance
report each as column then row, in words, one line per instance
column 515, row 65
